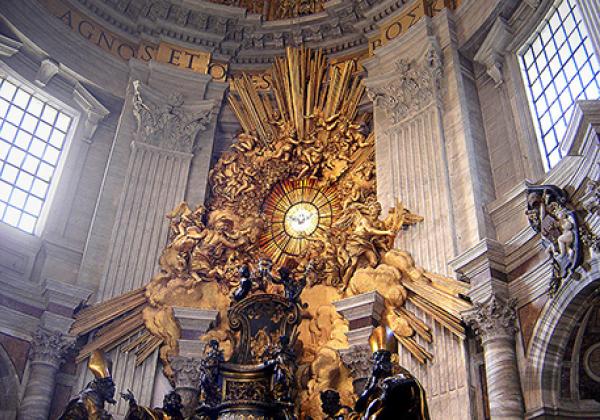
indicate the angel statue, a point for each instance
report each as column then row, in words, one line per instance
column 370, row 237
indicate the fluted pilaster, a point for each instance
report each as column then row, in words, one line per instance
column 163, row 129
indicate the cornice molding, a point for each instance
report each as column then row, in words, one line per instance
column 93, row 111
column 492, row 50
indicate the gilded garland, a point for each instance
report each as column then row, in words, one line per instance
column 297, row 187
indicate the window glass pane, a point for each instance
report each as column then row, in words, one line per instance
column 32, row 135
column 9, row 174
column 18, row 198
column 8, row 131
column 14, row 115
column 23, row 139
column 39, row 188
column 574, row 39
column 31, row 164
column 15, row 156
column 37, row 147
column 24, row 180
column 29, row 123
column 3, row 107
column 571, row 74
column 43, row 131
column 4, row 148
column 11, row 216
column 49, row 114
column 62, row 122
column 27, row 223
column 34, row 205
column 5, row 190
column 7, row 90
column 569, row 24
column 35, row 106
column 21, row 99
column 56, row 138
column 45, row 171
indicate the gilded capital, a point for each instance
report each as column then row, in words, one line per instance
column 493, row 318
column 49, row 346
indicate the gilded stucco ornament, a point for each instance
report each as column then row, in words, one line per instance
column 300, row 178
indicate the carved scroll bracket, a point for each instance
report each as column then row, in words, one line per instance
column 168, row 122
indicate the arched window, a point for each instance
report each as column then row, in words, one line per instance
column 559, row 67
column 33, row 136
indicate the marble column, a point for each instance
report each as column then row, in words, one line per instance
column 493, row 321
column 186, row 366
column 46, row 355
column 409, row 145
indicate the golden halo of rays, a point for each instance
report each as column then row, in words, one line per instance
column 278, row 243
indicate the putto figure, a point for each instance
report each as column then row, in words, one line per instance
column 89, row 404
column 171, row 409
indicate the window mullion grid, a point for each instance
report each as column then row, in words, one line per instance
column 560, row 74
column 37, row 151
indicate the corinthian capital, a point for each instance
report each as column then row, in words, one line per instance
column 412, row 86
column 165, row 121
column 49, row 346
column 359, row 360
column 493, row 318
column 187, row 371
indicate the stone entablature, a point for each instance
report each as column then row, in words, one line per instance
column 231, row 33
column 224, row 30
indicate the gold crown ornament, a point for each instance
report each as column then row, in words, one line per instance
column 382, row 338
column 99, row 366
